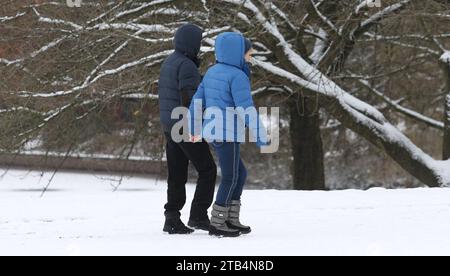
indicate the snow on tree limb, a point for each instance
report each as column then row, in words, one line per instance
column 56, row 21
column 108, row 59
column 141, row 7
column 403, row 36
column 7, row 62
column 404, row 44
column 104, row 14
column 143, row 28
column 447, row 104
column 4, row 19
column 406, row 111
column 375, row 18
column 283, row 15
column 445, row 57
column 320, row 47
column 323, row 18
column 358, row 115
column 34, row 54
column 312, row 74
column 20, row 108
column 98, row 77
column 383, row 13
column 125, row 29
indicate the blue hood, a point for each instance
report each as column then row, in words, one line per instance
column 230, row 49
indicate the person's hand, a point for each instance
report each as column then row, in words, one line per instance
column 195, row 138
column 261, row 144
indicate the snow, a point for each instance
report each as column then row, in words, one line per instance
column 445, row 57
column 50, row 45
column 132, row 64
column 319, row 48
column 8, row 62
column 315, row 80
column 101, row 75
column 447, row 102
column 385, row 12
column 324, row 18
column 9, row 18
column 86, row 155
column 20, row 108
column 143, row 6
column 134, row 27
column 283, row 15
column 58, row 21
column 404, row 110
column 362, row 112
column 443, row 168
column 165, row 11
column 361, row 5
column 80, row 215
column 244, row 18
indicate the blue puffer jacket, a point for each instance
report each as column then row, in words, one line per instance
column 179, row 77
column 227, row 85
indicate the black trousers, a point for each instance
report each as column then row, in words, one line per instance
column 178, row 157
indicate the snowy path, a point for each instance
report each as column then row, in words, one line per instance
column 81, row 216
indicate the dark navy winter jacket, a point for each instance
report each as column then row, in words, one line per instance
column 179, row 77
column 227, row 85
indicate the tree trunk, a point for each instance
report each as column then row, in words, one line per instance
column 446, row 142
column 409, row 157
column 307, row 151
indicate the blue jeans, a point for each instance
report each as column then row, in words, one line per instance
column 234, row 173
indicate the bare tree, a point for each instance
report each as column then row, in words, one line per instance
column 352, row 112
column 69, row 66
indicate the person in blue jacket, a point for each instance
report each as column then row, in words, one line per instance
column 226, row 86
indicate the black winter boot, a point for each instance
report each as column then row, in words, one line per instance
column 199, row 224
column 174, row 225
column 218, row 225
column 233, row 221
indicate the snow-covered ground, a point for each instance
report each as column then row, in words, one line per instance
column 80, row 215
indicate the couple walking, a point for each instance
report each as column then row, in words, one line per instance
column 226, row 84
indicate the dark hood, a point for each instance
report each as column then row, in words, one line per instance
column 188, row 40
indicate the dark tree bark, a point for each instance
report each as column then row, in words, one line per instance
column 395, row 148
column 446, row 142
column 306, row 140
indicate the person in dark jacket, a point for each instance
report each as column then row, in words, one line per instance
column 226, row 86
column 179, row 79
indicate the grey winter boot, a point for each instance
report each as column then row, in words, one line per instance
column 233, row 221
column 218, row 227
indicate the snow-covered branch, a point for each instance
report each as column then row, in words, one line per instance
column 404, row 44
column 20, row 108
column 319, row 49
column 4, row 19
column 326, row 22
column 403, row 36
column 283, row 15
column 314, row 79
column 403, row 110
column 365, row 25
column 143, row 28
column 7, row 62
column 141, row 7
column 56, row 21
column 383, row 13
column 101, row 75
